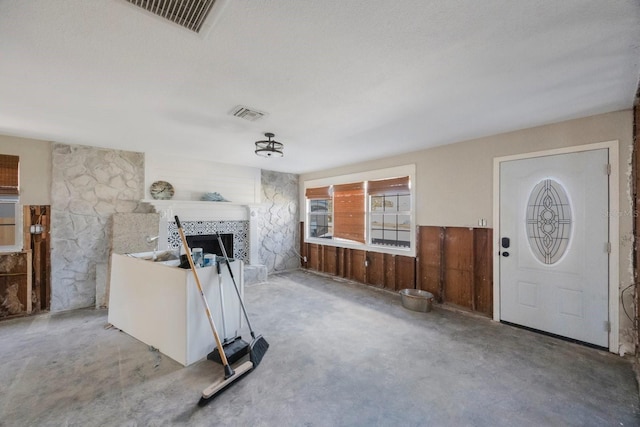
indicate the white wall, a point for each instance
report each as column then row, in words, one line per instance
column 35, row 168
column 192, row 178
column 454, row 182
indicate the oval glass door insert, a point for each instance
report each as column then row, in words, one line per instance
column 548, row 221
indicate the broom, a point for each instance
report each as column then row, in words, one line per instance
column 259, row 345
column 229, row 374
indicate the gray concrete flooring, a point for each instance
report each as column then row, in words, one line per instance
column 341, row 354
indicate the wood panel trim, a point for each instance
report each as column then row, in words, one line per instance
column 394, row 272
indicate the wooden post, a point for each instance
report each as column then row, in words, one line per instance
column 442, row 277
column 29, row 283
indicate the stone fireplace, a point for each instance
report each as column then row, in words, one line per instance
column 201, row 219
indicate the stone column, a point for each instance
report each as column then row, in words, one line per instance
column 88, row 186
column 278, row 222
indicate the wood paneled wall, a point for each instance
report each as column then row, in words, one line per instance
column 456, row 265
column 40, row 247
column 393, row 272
column 453, row 263
column 431, row 252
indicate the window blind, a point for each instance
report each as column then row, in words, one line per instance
column 389, row 186
column 9, row 174
column 349, row 211
column 318, row 193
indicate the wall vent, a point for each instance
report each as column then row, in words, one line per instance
column 189, row 14
column 247, row 113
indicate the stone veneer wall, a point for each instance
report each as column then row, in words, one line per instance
column 278, row 222
column 88, row 186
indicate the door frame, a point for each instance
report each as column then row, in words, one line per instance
column 614, row 227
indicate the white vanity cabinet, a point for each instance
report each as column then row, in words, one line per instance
column 161, row 306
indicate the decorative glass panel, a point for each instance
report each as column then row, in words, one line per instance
column 548, row 221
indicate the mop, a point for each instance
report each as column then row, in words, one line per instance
column 230, row 375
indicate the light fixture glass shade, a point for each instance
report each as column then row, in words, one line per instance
column 269, row 148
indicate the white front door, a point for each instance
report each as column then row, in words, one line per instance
column 554, row 244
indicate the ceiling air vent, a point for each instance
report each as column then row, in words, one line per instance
column 189, row 14
column 247, row 113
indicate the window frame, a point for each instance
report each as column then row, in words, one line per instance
column 373, row 175
column 397, row 214
column 10, row 194
column 328, row 214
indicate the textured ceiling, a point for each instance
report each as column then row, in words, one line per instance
column 341, row 81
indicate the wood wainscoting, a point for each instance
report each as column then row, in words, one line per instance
column 453, row 263
column 456, row 265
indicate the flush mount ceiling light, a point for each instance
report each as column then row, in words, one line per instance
column 269, row 148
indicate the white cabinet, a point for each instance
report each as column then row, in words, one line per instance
column 161, row 306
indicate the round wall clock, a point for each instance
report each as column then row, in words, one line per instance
column 161, row 190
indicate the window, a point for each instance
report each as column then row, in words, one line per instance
column 320, row 212
column 390, row 212
column 349, row 211
column 7, row 224
column 9, row 190
column 374, row 213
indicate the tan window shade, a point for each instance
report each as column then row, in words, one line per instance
column 348, row 211
column 9, row 174
column 317, row 193
column 389, row 186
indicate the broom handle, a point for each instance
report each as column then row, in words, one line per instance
column 226, row 258
column 223, row 357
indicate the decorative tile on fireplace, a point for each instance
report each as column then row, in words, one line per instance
column 239, row 229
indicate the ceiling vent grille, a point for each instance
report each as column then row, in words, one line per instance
column 247, row 113
column 189, row 14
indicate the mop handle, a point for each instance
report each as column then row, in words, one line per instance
column 224, row 324
column 223, row 356
column 235, row 286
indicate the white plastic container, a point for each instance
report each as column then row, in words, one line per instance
column 196, row 254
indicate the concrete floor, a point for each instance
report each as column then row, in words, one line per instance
column 341, row 354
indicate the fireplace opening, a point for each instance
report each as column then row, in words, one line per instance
column 209, row 243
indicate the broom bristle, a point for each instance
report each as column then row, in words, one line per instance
column 257, row 350
column 221, row 385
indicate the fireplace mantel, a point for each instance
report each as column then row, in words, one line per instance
column 196, row 210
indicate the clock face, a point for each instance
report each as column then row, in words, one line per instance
column 161, row 190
